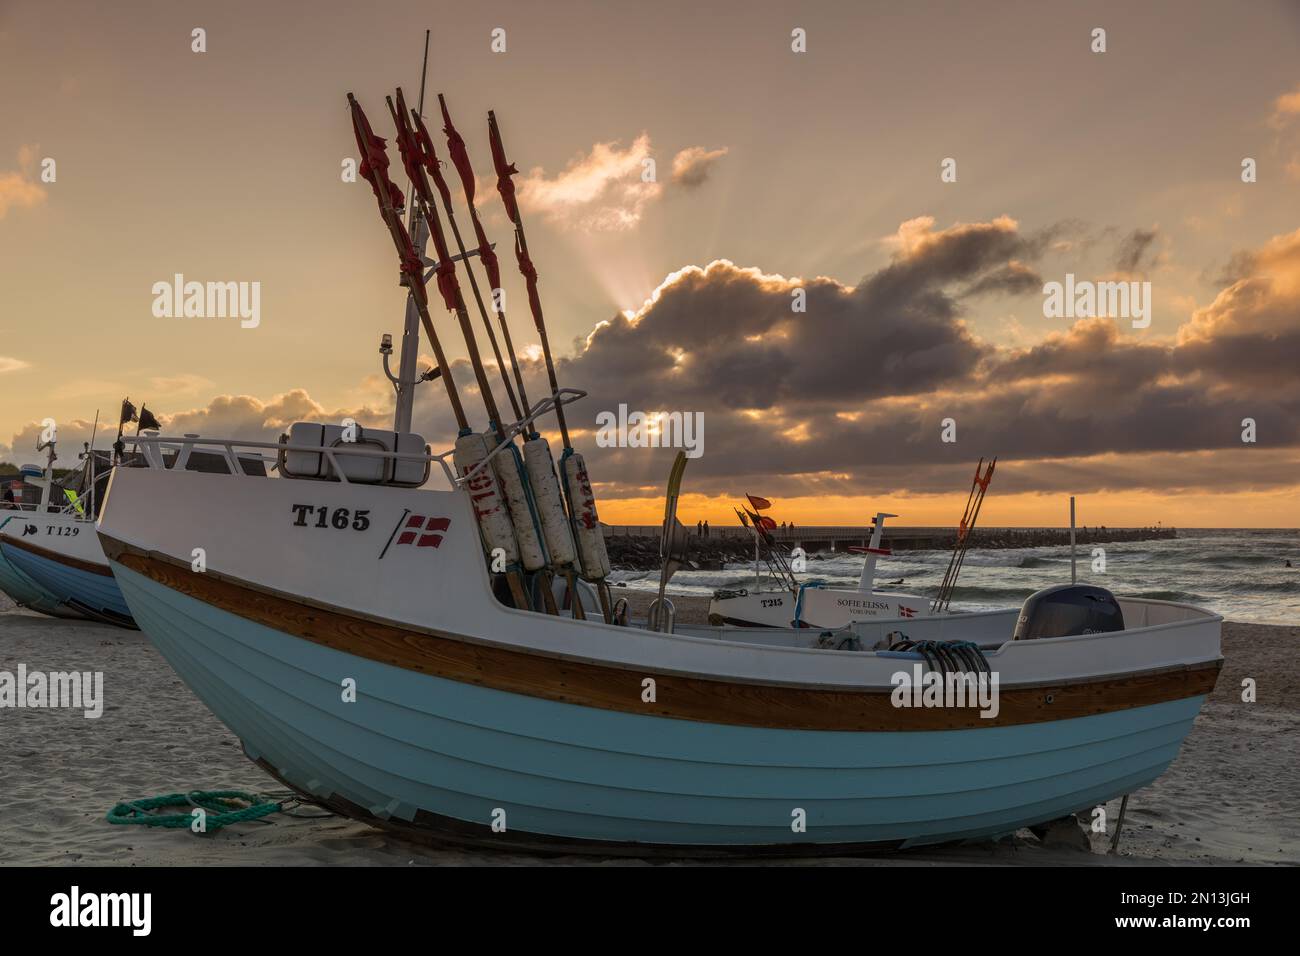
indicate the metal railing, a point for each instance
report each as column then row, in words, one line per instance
column 152, row 447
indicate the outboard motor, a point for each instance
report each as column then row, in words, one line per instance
column 1069, row 609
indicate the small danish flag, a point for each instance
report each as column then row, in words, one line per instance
column 904, row 611
column 423, row 532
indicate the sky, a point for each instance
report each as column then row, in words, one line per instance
column 835, row 257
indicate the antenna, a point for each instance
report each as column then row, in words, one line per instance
column 90, row 462
column 406, row 380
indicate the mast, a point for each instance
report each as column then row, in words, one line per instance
column 374, row 168
column 90, row 462
column 448, row 284
column 50, row 459
column 406, row 369
column 867, row 582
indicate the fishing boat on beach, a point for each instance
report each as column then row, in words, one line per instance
column 49, row 551
column 780, row 599
column 54, row 545
column 378, row 644
column 24, row 590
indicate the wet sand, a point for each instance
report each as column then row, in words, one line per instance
column 1230, row 797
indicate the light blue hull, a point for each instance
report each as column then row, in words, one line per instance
column 92, row 594
column 27, row 593
column 414, row 742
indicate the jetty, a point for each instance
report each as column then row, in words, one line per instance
column 636, row 547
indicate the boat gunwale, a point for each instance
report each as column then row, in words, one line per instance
column 114, row 548
column 67, row 560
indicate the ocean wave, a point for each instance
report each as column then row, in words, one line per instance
column 1165, row 595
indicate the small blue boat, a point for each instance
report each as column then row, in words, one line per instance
column 61, row 555
column 24, row 591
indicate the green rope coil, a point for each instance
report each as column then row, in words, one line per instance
column 221, row 806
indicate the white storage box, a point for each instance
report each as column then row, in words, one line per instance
column 364, row 469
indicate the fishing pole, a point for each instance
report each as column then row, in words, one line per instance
column 538, row 465
column 506, row 186
column 524, row 534
column 460, row 159
column 495, row 525
column 578, row 493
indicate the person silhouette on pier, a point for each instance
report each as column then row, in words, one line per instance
column 706, row 529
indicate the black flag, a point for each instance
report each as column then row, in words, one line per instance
column 128, row 412
column 147, row 421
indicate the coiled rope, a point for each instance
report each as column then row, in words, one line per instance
column 947, row 656
column 221, row 808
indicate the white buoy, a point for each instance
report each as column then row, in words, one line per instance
column 531, row 553
column 550, row 505
column 591, row 540
column 485, row 494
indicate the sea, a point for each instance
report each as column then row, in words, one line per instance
column 1239, row 573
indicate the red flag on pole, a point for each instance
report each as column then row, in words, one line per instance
column 459, row 155
column 374, row 167
column 412, row 150
column 529, row 272
column 505, row 185
column 761, row 525
column 486, row 255
column 760, row 504
column 374, row 157
column 430, row 158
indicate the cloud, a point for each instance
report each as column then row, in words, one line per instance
column 1014, row 278
column 692, row 166
column 848, row 396
column 602, row 190
column 245, row 416
column 18, row 188
column 8, row 364
column 1133, row 248
column 183, row 384
column 1285, row 108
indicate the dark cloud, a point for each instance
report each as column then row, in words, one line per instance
column 1133, row 249
column 693, row 165
column 849, row 395
column 1014, row 278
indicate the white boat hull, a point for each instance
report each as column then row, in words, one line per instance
column 477, row 722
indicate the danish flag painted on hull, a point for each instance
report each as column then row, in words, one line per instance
column 424, row 532
column 904, row 611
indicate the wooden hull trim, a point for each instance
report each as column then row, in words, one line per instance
column 64, row 559
column 681, row 697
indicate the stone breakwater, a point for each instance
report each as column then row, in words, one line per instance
column 640, row 552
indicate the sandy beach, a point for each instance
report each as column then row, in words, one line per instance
column 1229, row 797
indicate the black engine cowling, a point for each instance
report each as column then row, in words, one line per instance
column 1069, row 609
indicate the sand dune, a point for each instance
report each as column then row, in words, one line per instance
column 1228, row 798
